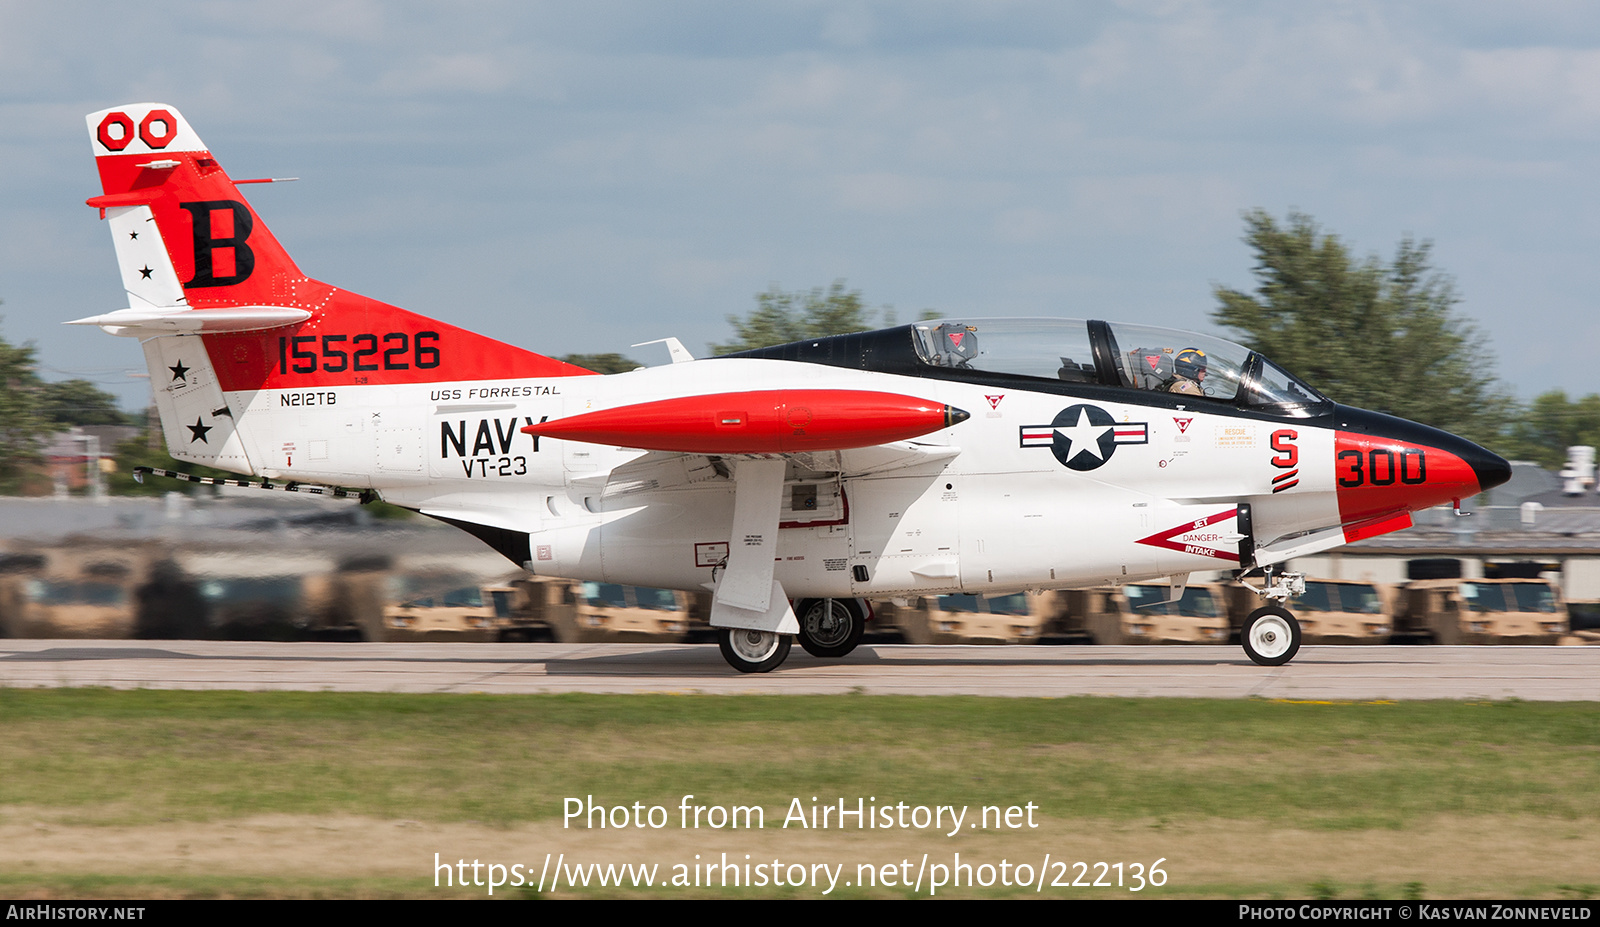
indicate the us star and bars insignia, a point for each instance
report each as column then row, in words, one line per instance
column 1084, row 437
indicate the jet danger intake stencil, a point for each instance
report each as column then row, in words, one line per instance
column 1084, row 437
column 1206, row 537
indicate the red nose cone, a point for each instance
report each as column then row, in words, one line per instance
column 1385, row 466
column 759, row 422
column 1377, row 476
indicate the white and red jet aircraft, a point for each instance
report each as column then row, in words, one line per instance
column 963, row 455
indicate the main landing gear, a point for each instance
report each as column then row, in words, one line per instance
column 1271, row 635
column 753, row 651
column 830, row 627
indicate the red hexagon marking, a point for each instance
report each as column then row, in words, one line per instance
column 148, row 134
column 115, row 119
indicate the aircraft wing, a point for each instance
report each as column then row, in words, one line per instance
column 881, row 458
column 656, row 469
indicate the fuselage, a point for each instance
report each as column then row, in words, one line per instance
column 1050, row 483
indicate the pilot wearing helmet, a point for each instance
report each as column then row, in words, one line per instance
column 1189, row 369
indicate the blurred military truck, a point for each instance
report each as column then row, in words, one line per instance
column 1511, row 604
column 242, row 595
column 532, row 609
column 79, row 589
column 1018, row 618
column 613, row 612
column 450, row 612
column 1139, row 613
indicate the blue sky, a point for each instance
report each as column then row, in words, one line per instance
column 580, row 177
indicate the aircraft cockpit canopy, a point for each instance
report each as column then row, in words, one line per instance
column 1069, row 356
column 1138, row 357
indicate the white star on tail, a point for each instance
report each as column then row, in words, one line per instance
column 1084, row 436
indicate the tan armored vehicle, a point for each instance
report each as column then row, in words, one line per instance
column 71, row 592
column 1331, row 611
column 235, row 593
column 529, row 609
column 460, row 613
column 259, row 608
column 540, row 609
column 612, row 612
column 970, row 619
column 1480, row 611
column 1138, row 614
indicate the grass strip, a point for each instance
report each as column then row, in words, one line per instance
column 120, row 757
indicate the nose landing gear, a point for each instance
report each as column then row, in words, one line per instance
column 1271, row 635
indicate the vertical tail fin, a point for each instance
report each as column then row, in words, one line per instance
column 155, row 171
column 225, row 315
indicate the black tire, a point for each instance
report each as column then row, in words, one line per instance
column 753, row 651
column 830, row 632
column 1271, row 636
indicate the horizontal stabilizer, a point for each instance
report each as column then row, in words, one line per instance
column 181, row 321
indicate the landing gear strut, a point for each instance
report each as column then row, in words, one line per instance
column 753, row 651
column 1271, row 635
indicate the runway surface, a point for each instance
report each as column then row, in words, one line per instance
column 1352, row 673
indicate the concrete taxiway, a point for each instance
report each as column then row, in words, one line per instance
column 1395, row 672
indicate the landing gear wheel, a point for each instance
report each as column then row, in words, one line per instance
column 830, row 627
column 753, row 651
column 1271, row 636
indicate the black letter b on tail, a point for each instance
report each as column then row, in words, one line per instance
column 244, row 260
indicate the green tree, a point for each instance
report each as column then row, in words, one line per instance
column 78, row 402
column 1383, row 336
column 22, row 424
column 1551, row 424
column 603, row 363
column 30, row 409
column 781, row 317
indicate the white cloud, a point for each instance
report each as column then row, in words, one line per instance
column 696, row 277
column 1558, row 86
column 348, row 20
column 851, row 27
column 484, row 72
column 811, row 88
column 1025, row 225
column 882, row 192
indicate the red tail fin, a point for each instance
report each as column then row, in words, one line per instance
column 223, row 253
column 224, row 257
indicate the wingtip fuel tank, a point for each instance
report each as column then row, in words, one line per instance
column 758, row 422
